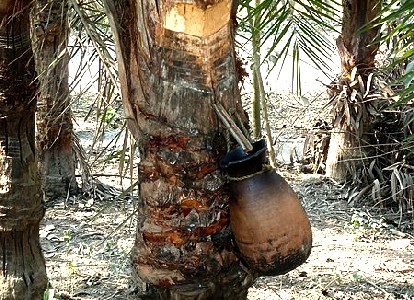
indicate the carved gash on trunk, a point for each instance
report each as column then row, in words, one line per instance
column 54, row 123
column 176, row 59
column 23, row 274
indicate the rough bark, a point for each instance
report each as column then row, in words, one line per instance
column 54, row 123
column 176, row 59
column 23, row 273
column 357, row 49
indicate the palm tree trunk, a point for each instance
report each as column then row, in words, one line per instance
column 351, row 118
column 176, row 60
column 23, row 274
column 54, row 123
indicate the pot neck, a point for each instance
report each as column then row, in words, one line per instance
column 265, row 168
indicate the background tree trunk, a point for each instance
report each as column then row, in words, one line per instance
column 23, row 274
column 356, row 49
column 176, row 59
column 54, row 123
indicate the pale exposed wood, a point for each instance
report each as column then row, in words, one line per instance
column 189, row 18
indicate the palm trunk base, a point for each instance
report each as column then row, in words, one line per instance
column 336, row 167
column 23, row 276
column 59, row 186
column 57, row 168
column 232, row 285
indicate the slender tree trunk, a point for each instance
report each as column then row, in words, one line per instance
column 23, row 273
column 54, row 123
column 357, row 49
column 256, row 105
column 176, row 59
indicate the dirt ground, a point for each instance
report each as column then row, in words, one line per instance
column 358, row 252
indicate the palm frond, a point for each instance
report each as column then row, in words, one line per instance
column 290, row 28
column 397, row 19
column 95, row 78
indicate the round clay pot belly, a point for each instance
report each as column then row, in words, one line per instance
column 269, row 224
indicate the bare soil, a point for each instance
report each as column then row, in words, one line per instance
column 358, row 252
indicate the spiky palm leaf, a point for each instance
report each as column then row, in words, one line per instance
column 287, row 28
column 397, row 22
column 294, row 28
column 397, row 17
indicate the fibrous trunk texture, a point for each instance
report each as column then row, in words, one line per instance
column 357, row 49
column 176, row 59
column 23, row 274
column 54, row 123
column 357, row 46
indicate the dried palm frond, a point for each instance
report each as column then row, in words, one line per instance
column 315, row 149
column 386, row 172
column 92, row 47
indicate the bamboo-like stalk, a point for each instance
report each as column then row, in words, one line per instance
column 269, row 139
column 259, row 90
column 232, row 127
column 254, row 21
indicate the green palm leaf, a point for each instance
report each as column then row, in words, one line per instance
column 398, row 18
column 294, row 27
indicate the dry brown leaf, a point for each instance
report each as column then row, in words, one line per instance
column 361, row 84
column 376, row 190
column 369, row 81
column 371, row 168
column 353, row 73
column 353, row 83
column 393, row 183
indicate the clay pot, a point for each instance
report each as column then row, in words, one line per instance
column 269, row 224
